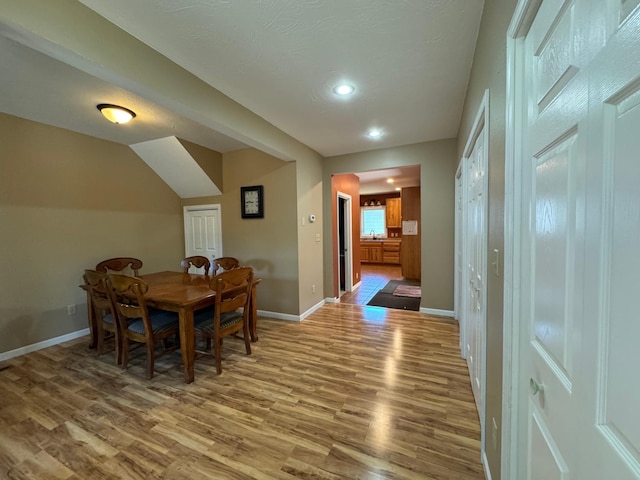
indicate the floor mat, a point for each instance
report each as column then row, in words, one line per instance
column 386, row 298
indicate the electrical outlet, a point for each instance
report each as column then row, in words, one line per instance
column 71, row 310
column 313, row 289
column 357, row 275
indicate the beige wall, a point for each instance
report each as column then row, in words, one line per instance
column 310, row 235
column 488, row 71
column 437, row 162
column 268, row 244
column 68, row 201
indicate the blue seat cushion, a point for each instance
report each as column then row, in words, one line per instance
column 203, row 315
column 226, row 320
column 161, row 321
column 108, row 318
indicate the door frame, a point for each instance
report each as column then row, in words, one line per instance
column 460, row 277
column 521, row 21
column 348, row 233
column 200, row 208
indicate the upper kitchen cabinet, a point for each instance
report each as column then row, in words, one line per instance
column 394, row 213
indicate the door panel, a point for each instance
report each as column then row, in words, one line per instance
column 203, row 235
column 580, row 238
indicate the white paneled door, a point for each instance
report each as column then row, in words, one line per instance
column 474, row 257
column 578, row 391
column 203, row 231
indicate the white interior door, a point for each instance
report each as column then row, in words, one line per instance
column 203, row 231
column 579, row 214
column 476, row 230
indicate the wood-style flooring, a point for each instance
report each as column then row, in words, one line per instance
column 351, row 392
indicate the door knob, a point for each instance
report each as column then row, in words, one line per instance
column 535, row 387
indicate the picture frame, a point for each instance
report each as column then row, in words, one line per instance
column 252, row 201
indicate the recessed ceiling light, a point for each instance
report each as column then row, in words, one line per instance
column 398, row 189
column 389, row 180
column 374, row 133
column 344, row 89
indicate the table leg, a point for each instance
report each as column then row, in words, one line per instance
column 187, row 343
column 253, row 315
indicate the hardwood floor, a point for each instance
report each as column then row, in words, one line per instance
column 373, row 278
column 349, row 393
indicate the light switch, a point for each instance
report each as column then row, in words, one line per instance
column 317, row 237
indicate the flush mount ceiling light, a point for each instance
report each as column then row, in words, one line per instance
column 115, row 113
column 374, row 133
column 344, row 89
column 390, row 180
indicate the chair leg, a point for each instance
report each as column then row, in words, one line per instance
column 118, row 340
column 100, row 345
column 247, row 340
column 125, row 352
column 218, row 356
column 150, row 360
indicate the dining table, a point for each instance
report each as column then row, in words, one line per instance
column 185, row 293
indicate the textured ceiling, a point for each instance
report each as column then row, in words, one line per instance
column 410, row 61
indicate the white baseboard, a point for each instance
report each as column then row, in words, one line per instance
column 435, row 311
column 279, row 316
column 312, row 309
column 356, row 286
column 485, row 464
column 44, row 344
column 332, row 300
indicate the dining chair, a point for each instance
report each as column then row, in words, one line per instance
column 224, row 263
column 196, row 261
column 95, row 284
column 230, row 313
column 137, row 322
column 120, row 265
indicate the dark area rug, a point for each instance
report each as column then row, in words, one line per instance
column 386, row 298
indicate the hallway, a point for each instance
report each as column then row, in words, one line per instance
column 374, row 277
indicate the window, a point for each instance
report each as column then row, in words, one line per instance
column 373, row 221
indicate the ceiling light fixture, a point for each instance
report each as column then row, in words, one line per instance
column 374, row 133
column 398, row 189
column 115, row 113
column 389, row 180
column 344, row 89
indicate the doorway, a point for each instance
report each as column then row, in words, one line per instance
column 345, row 277
column 203, row 231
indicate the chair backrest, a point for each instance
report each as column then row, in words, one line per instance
column 198, row 262
column 128, row 299
column 233, row 290
column 223, row 264
column 95, row 283
column 119, row 264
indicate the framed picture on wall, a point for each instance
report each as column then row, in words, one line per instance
column 252, row 201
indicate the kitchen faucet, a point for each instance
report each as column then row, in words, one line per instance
column 373, row 234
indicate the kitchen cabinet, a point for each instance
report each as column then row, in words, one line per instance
column 380, row 252
column 394, row 213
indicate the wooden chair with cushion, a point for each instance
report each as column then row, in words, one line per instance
column 95, row 284
column 137, row 322
column 223, row 264
column 120, row 265
column 233, row 292
column 196, row 261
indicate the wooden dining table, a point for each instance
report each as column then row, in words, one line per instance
column 185, row 293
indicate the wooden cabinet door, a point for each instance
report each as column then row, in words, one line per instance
column 393, row 213
column 365, row 253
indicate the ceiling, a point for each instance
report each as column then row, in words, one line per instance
column 409, row 60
